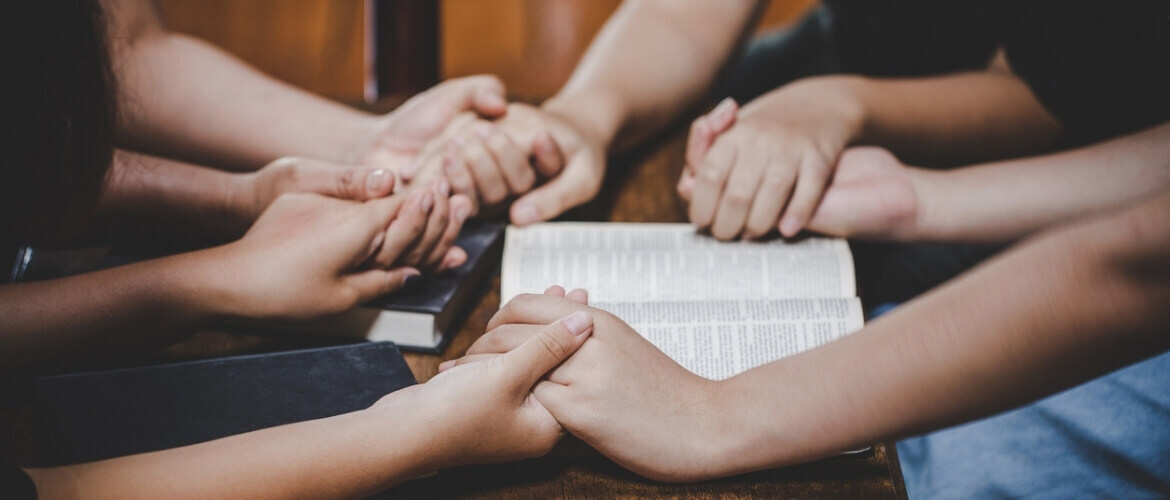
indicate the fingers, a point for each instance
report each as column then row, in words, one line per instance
column 457, row 173
column 330, row 179
column 510, row 159
column 405, row 228
column 502, row 339
column 438, row 217
column 373, row 283
column 710, row 181
column 489, row 181
column 736, row 200
column 555, row 343
column 482, row 93
column 810, row 185
column 579, row 295
column 473, row 358
column 775, row 187
column 533, row 310
column 547, row 156
column 706, row 128
column 572, row 187
column 443, row 255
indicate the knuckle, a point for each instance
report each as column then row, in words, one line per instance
column 738, row 196
column 553, row 344
column 347, row 184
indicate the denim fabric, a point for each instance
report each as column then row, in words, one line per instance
column 1108, row 438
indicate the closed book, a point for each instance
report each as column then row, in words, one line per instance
column 421, row 316
column 92, row 416
column 426, row 313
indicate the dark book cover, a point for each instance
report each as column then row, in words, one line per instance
column 93, row 416
column 483, row 242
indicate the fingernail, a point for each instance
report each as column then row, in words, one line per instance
column 524, row 213
column 578, row 322
column 428, row 202
column 442, row 188
column 461, row 213
column 686, row 183
column 446, row 365
column 723, row 111
column 483, row 130
column 378, row 181
column 790, row 226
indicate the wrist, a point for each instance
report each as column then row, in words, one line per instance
column 925, row 225
column 843, row 96
column 597, row 115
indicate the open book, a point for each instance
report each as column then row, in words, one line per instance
column 717, row 308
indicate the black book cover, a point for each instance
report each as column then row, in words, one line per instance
column 481, row 240
column 93, row 416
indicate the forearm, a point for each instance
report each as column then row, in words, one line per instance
column 964, row 117
column 651, row 62
column 348, row 456
column 109, row 312
column 1060, row 310
column 158, row 193
column 1007, row 200
column 184, row 98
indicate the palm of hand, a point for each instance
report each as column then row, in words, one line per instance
column 872, row 195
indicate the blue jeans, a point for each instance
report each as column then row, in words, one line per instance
column 1108, row 438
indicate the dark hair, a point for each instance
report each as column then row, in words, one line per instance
column 58, row 116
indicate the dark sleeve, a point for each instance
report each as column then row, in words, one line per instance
column 1101, row 68
column 15, row 484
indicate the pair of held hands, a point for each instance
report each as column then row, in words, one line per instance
column 779, row 163
column 550, row 363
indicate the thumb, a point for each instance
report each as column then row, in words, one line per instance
column 345, row 182
column 547, row 156
column 563, row 192
column 375, row 283
column 547, row 349
column 483, row 94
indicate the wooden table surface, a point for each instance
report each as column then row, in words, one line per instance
column 639, row 188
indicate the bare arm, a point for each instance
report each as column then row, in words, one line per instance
column 1007, row 200
column 184, row 98
column 875, row 195
column 304, row 258
column 478, row 414
column 1063, row 308
column 651, row 62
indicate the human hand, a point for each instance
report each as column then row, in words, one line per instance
column 397, row 139
column 253, row 192
column 618, row 393
column 485, row 412
column 491, row 167
column 769, row 165
column 309, row 255
column 873, row 195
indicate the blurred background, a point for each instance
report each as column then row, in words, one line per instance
column 355, row 50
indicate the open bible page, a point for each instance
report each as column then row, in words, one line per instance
column 717, row 339
column 621, row 262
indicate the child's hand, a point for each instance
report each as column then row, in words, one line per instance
column 485, row 412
